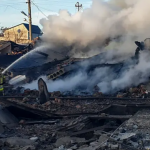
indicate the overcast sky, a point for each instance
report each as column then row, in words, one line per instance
column 10, row 10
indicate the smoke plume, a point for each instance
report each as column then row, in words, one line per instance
column 121, row 22
column 108, row 79
column 89, row 30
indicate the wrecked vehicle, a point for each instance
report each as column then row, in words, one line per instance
column 43, row 61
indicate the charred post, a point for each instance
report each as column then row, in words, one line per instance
column 43, row 91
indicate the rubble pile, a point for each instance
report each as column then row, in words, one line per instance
column 10, row 51
column 61, row 107
column 132, row 134
column 72, row 120
column 141, row 91
column 63, row 134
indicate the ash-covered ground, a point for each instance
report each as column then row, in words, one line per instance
column 96, row 79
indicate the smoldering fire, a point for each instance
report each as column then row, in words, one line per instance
column 85, row 33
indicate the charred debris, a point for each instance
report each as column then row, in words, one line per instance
column 39, row 119
column 10, row 51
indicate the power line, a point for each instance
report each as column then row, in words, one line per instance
column 39, row 9
column 55, row 2
column 6, row 8
column 10, row 6
column 13, row 3
column 57, row 5
column 47, row 9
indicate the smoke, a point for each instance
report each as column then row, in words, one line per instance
column 87, row 32
column 108, row 79
column 68, row 84
column 133, row 75
column 80, row 80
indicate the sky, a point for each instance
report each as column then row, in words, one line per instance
column 10, row 11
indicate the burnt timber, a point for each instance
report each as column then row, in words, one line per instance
column 121, row 106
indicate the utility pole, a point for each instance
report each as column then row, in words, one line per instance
column 78, row 6
column 30, row 19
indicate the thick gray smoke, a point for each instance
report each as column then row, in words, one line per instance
column 107, row 79
column 76, row 81
column 88, row 31
column 85, row 34
column 131, row 76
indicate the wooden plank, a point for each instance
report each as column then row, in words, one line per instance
column 93, row 129
column 110, row 117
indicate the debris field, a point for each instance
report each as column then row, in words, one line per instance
column 39, row 119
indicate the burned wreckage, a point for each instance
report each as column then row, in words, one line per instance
column 55, row 65
column 56, row 121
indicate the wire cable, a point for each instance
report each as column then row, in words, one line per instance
column 48, row 9
column 39, row 9
column 1, row 5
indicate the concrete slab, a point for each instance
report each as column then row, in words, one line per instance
column 135, row 132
